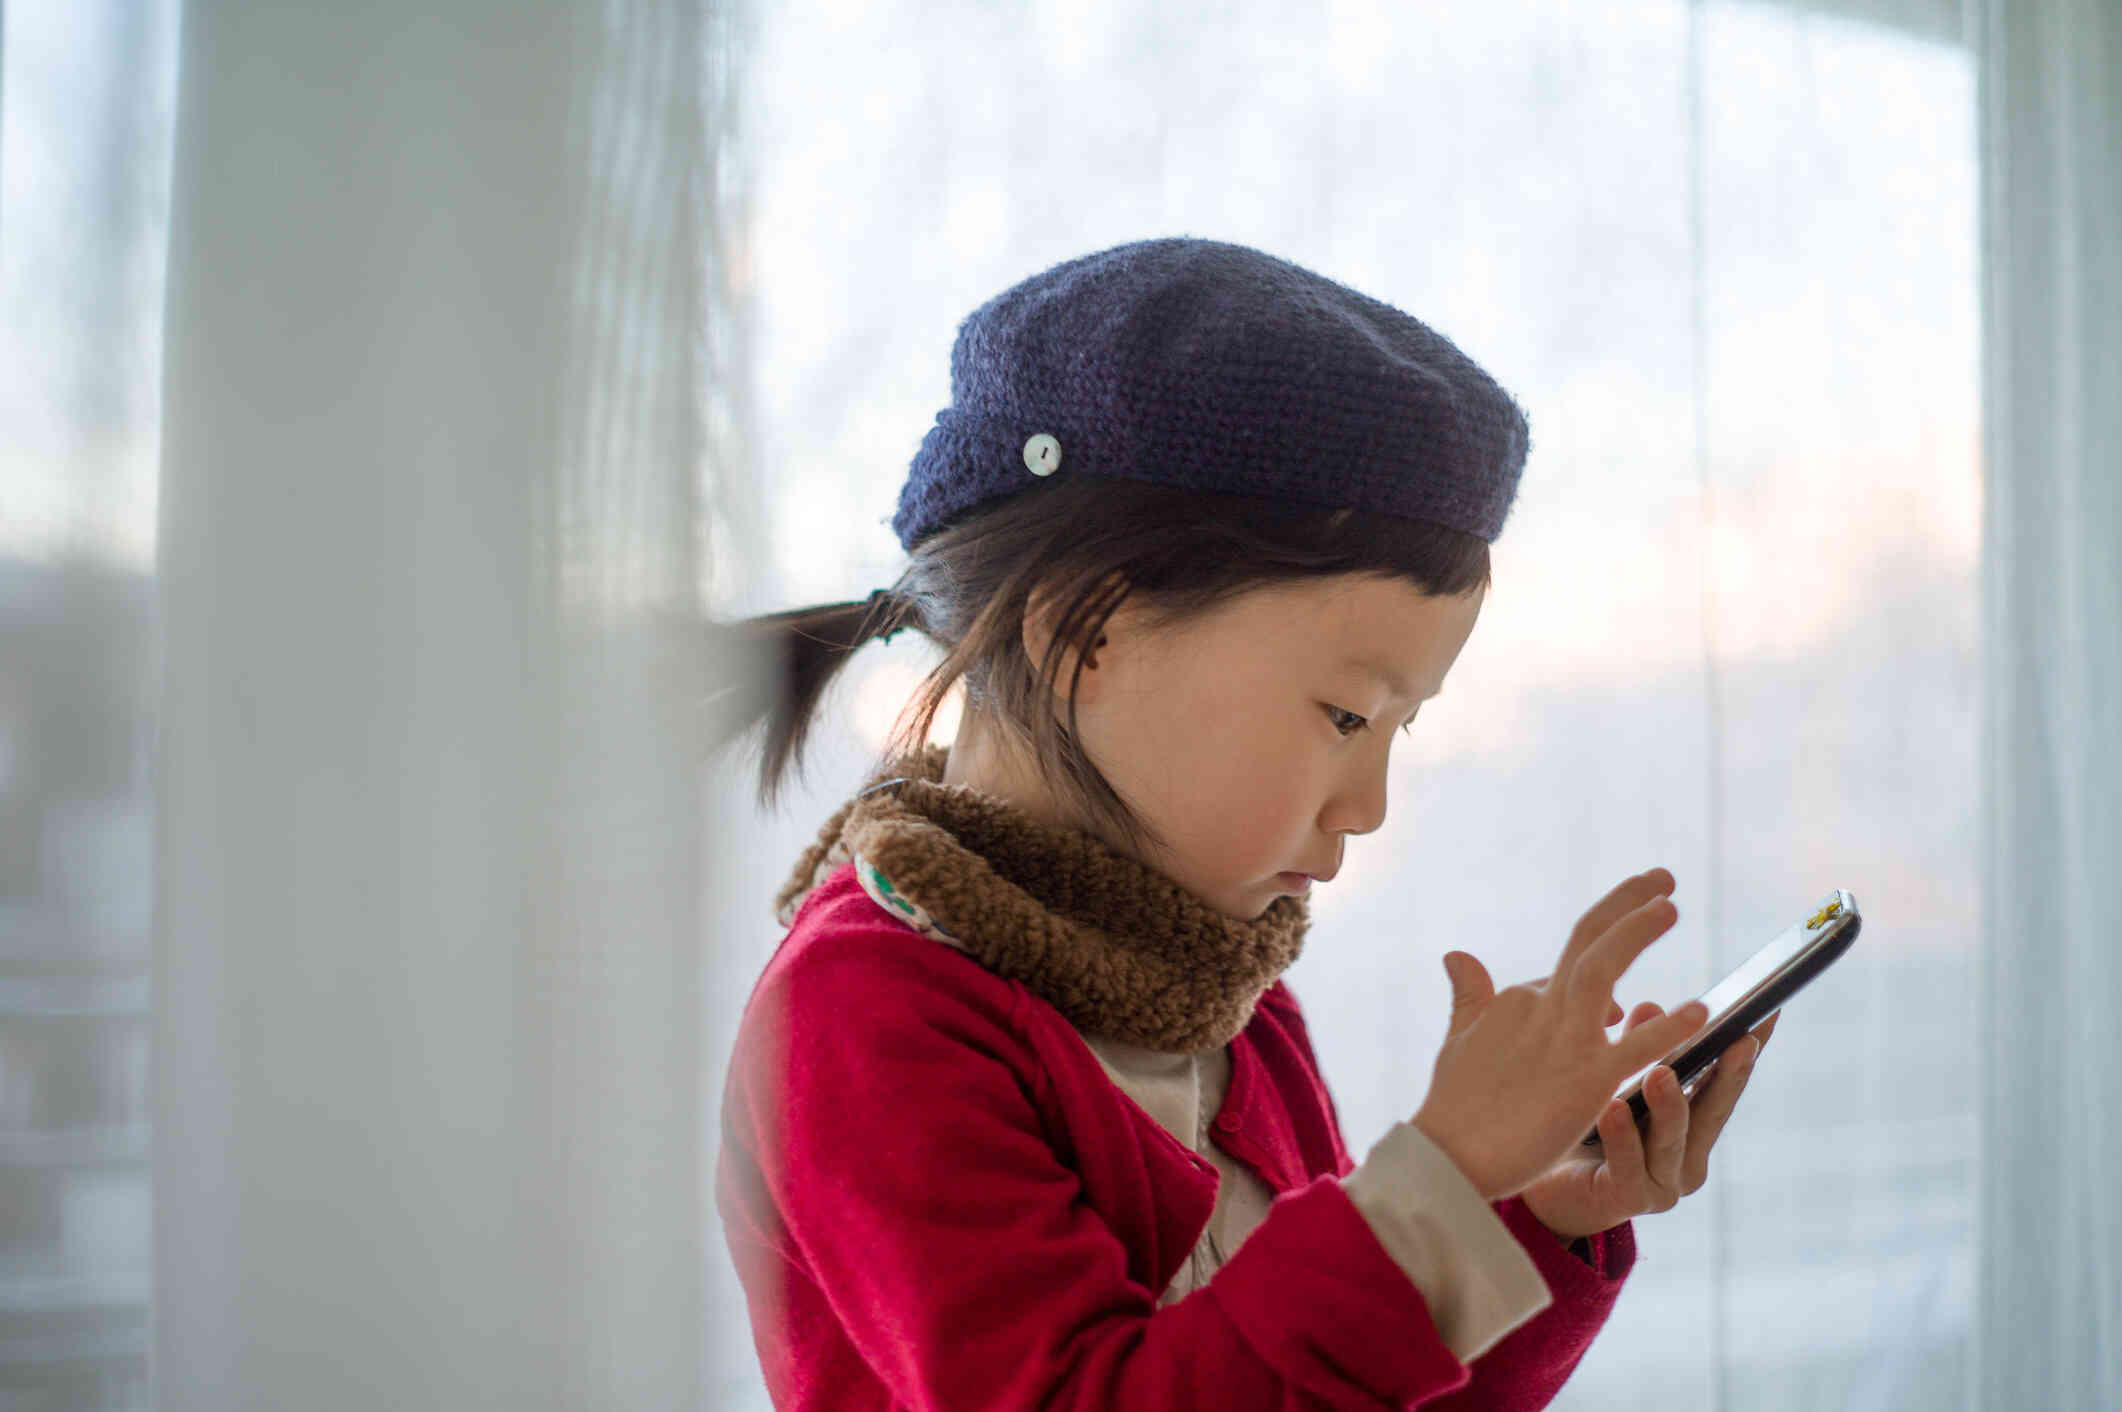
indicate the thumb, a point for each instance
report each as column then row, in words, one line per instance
column 1471, row 988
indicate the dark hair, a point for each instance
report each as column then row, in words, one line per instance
column 1082, row 544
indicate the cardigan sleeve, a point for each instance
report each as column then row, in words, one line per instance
column 1478, row 1281
column 891, row 1111
column 1527, row 1366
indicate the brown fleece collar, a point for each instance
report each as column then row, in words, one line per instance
column 1121, row 950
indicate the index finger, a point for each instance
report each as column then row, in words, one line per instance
column 1626, row 897
column 1600, row 967
column 1713, row 1107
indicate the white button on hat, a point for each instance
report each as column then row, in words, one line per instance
column 1042, row 455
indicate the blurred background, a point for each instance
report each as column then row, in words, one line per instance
column 387, row 392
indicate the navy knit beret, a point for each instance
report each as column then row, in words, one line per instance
column 1212, row 366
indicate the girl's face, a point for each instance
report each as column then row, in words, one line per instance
column 1255, row 739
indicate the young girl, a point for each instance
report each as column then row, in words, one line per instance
column 1021, row 1114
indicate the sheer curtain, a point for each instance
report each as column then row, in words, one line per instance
column 348, row 713
column 2049, row 1311
column 435, row 473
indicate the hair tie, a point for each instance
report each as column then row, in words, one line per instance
column 883, row 598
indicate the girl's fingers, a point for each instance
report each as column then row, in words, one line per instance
column 1472, row 990
column 1613, row 1008
column 1648, row 1010
column 1713, row 1108
column 1626, row 897
column 1653, row 1039
column 1766, row 1028
column 1667, row 1147
column 1623, row 1145
column 1591, row 981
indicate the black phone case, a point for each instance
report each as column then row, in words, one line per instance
column 1703, row 1051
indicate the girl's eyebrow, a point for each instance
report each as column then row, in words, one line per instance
column 1389, row 678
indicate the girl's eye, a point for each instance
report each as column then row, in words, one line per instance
column 1358, row 723
column 1338, row 716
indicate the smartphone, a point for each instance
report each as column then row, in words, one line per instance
column 1753, row 992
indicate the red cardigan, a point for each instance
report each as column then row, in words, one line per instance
column 937, row 1199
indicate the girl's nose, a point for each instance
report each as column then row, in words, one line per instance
column 1359, row 808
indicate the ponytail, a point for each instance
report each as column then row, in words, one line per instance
column 798, row 653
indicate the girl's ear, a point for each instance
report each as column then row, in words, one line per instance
column 1038, row 633
column 1039, row 613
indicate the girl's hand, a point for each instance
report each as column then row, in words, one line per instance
column 1525, row 1071
column 1625, row 1175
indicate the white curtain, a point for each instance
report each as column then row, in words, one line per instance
column 348, row 698
column 2049, row 1328
column 429, row 1085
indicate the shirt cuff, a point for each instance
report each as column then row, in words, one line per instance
column 1476, row 1277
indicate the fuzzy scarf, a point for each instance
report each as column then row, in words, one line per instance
column 1117, row 947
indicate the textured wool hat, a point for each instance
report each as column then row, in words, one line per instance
column 1212, row 366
